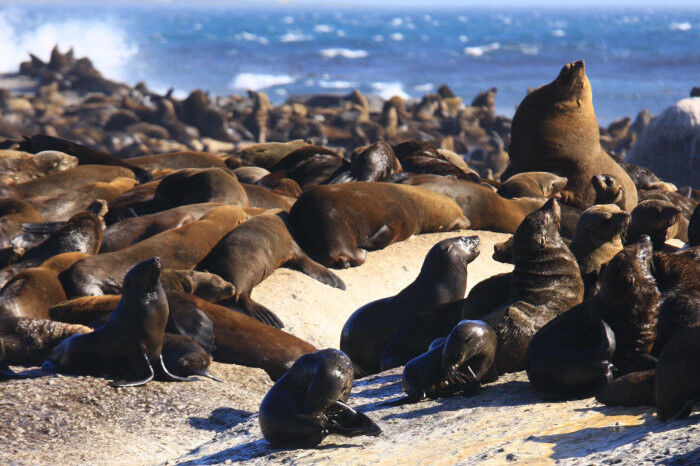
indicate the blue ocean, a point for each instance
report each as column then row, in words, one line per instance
column 635, row 59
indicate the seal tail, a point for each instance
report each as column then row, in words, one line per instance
column 317, row 271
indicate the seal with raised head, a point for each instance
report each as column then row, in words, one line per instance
column 337, row 224
column 179, row 248
column 532, row 184
column 308, row 403
column 442, row 279
column 129, row 346
column 655, row 218
column 555, row 129
column 252, row 251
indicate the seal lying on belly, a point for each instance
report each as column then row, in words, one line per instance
column 72, row 179
column 129, row 346
column 442, row 279
column 13, row 213
column 251, row 252
column 555, row 129
column 308, row 403
column 337, row 224
column 180, row 248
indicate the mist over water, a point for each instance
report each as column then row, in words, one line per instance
column 635, row 59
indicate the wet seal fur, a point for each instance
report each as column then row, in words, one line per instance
column 442, row 279
column 308, row 403
column 555, row 129
column 129, row 346
column 374, row 163
column 337, row 224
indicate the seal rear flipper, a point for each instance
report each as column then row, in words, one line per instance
column 351, row 423
column 317, row 271
column 136, row 383
column 343, row 177
column 162, row 374
column 259, row 312
column 43, row 228
column 381, row 238
column 188, row 320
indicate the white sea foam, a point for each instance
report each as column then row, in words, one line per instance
column 345, row 53
column 322, row 28
column 258, row 81
column 104, row 42
column 686, row 26
column 397, row 36
column 288, row 19
column 337, row 84
column 378, row 38
column 558, row 33
column 389, row 90
column 250, row 37
column 463, row 39
column 427, row 87
column 396, row 22
column 295, row 36
column 480, row 50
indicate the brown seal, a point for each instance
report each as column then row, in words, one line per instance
column 130, row 344
column 633, row 389
column 677, row 379
column 655, row 218
column 85, row 155
column 179, row 248
column 178, row 160
column 596, row 240
column 308, row 403
column 308, row 166
column 442, row 279
column 19, row 167
column 33, row 291
column 484, row 208
column 262, row 197
column 337, row 224
column 82, row 233
column 13, row 213
column 264, row 155
column 252, row 251
column 545, row 283
column 72, row 179
column 532, row 184
column 183, row 356
column 131, row 230
column 685, row 204
column 198, row 185
column 250, row 175
column 555, row 129
column 375, row 163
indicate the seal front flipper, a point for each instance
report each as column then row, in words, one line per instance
column 351, row 423
column 379, row 239
column 258, row 311
column 316, row 271
column 136, row 383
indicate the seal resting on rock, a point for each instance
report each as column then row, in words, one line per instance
column 337, row 224
column 532, row 184
column 442, row 279
column 308, row 403
column 555, row 129
column 129, row 346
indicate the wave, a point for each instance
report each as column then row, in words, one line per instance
column 427, row 87
column 295, row 37
column 558, row 33
column 256, row 82
column 337, row 84
column 105, row 43
column 322, row 28
column 388, row 90
column 480, row 50
column 345, row 53
column 397, row 36
column 250, row 37
column 685, row 26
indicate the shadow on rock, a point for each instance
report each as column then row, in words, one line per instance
column 220, row 419
column 252, row 450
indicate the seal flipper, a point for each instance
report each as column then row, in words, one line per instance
column 316, row 271
column 379, row 239
column 351, row 423
column 135, row 383
column 259, row 312
column 491, row 375
column 43, row 228
column 162, row 374
column 186, row 319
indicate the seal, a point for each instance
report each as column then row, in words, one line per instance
column 555, row 129
column 453, row 365
column 178, row 160
column 205, row 285
column 131, row 230
column 442, row 279
column 198, row 185
column 337, row 224
column 607, row 189
column 130, row 344
column 179, row 248
column 69, row 180
column 545, row 282
column 265, row 154
column 532, row 184
column 251, row 252
column 308, row 166
column 596, row 240
column 250, row 175
column 484, row 208
column 308, row 403
column 185, row 357
column 33, row 291
column 28, row 342
column 693, row 228
column 19, row 167
column 262, row 197
column 677, row 381
column 654, row 218
column 85, row 155
column 685, row 204
column 374, row 163
column 82, row 233
column 13, row 213
column 634, row 389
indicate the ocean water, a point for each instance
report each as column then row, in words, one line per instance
column 634, row 59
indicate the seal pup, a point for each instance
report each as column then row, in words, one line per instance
column 374, row 163
column 337, row 224
column 633, row 389
column 130, row 344
column 18, row 167
column 452, row 365
column 655, row 218
column 555, row 129
column 179, row 248
column 677, row 378
column 308, row 403
column 532, row 184
column 252, row 251
column 442, row 279
column 309, row 166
